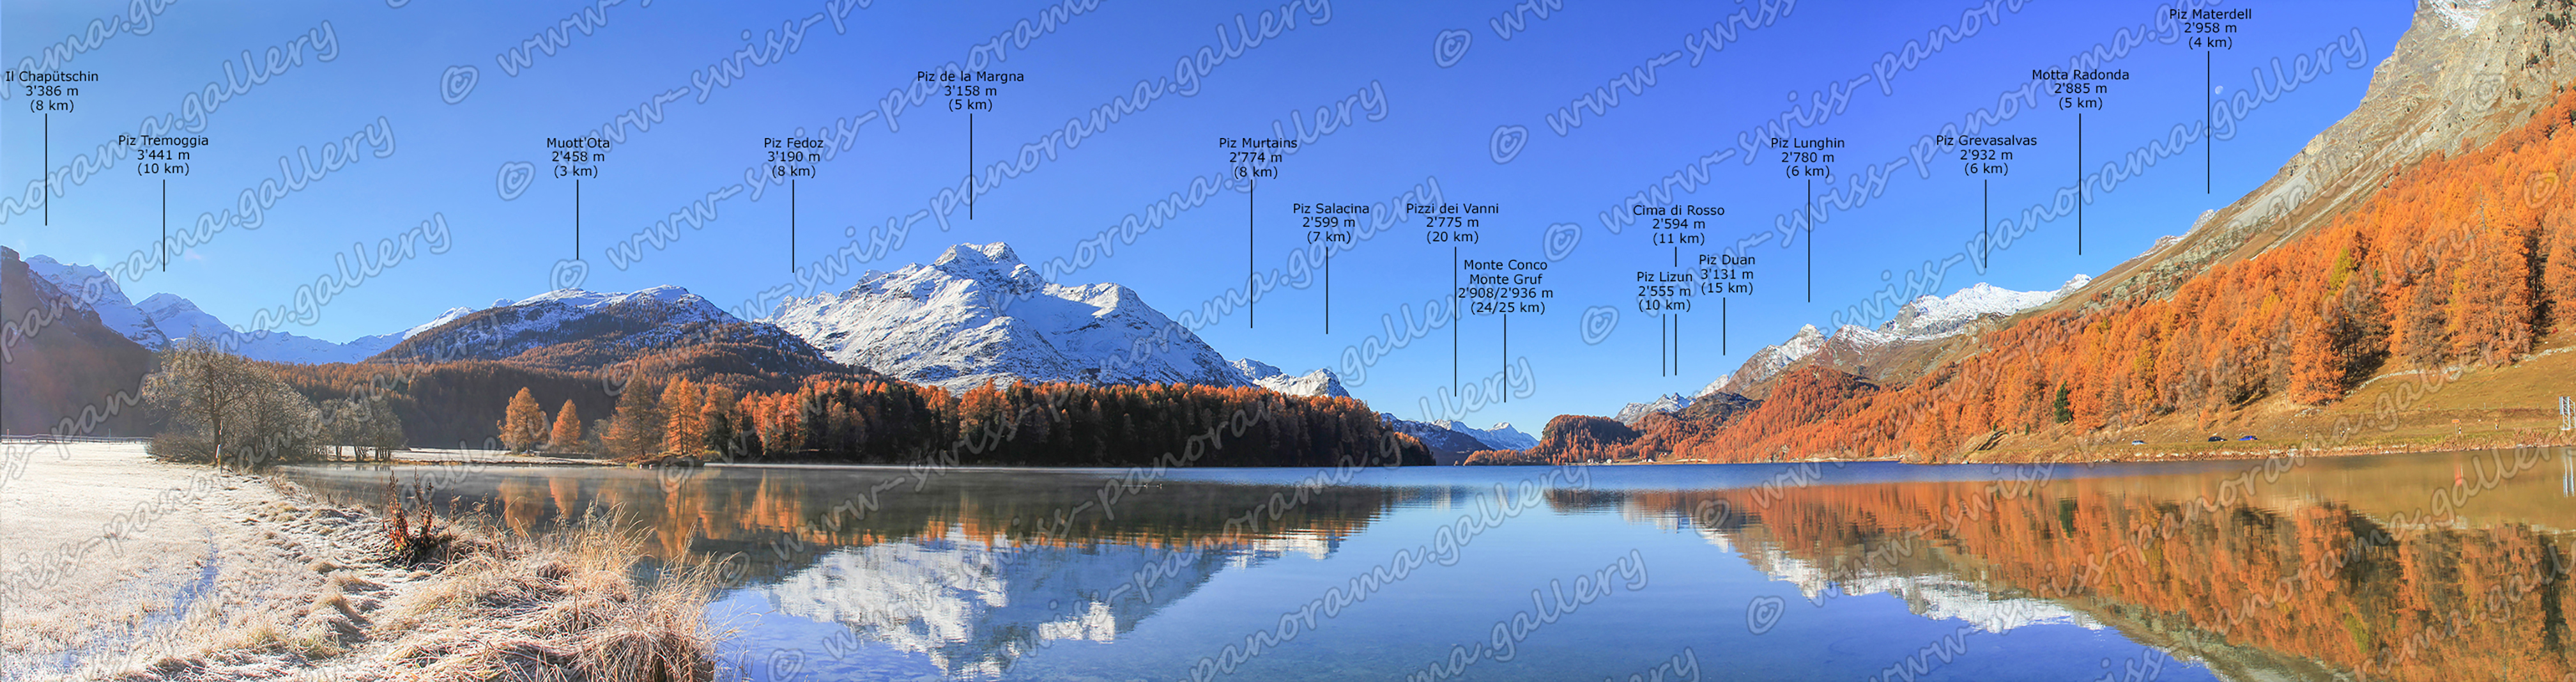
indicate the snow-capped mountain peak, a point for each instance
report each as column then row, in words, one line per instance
column 977, row 314
column 1320, row 382
column 95, row 290
column 180, row 318
column 1669, row 402
column 1770, row 360
column 995, row 261
column 1934, row 316
column 1924, row 318
column 644, row 318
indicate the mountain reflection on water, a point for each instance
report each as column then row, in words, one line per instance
column 2432, row 566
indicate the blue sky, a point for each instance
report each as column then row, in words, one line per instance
column 397, row 67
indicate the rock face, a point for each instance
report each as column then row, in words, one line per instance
column 165, row 317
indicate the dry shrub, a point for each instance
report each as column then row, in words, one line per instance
column 412, row 543
column 561, row 607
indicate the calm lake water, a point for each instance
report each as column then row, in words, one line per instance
column 2406, row 567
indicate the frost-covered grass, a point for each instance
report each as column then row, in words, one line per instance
column 562, row 607
column 114, row 566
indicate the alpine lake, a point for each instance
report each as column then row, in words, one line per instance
column 2450, row 565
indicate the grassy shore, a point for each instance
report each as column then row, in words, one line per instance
column 123, row 568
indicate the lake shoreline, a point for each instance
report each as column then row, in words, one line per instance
column 435, row 457
column 2066, row 456
column 201, row 573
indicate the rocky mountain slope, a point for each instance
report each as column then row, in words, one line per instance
column 2454, row 144
column 2464, row 73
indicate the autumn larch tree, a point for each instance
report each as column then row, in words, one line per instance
column 566, row 436
column 523, row 425
column 636, row 428
column 685, row 432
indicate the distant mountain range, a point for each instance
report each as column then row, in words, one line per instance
column 977, row 314
column 974, row 314
column 163, row 318
column 1500, row 436
column 1856, row 349
column 1451, row 441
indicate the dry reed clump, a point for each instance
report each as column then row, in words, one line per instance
column 562, row 607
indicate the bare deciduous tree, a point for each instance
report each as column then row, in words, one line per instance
column 227, row 410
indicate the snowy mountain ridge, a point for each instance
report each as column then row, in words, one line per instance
column 1936, row 316
column 648, row 318
column 1925, row 318
column 978, row 314
column 1320, row 382
column 1666, row 403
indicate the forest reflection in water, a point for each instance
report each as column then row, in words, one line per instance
column 2432, row 566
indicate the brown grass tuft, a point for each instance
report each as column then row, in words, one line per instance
column 561, row 607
